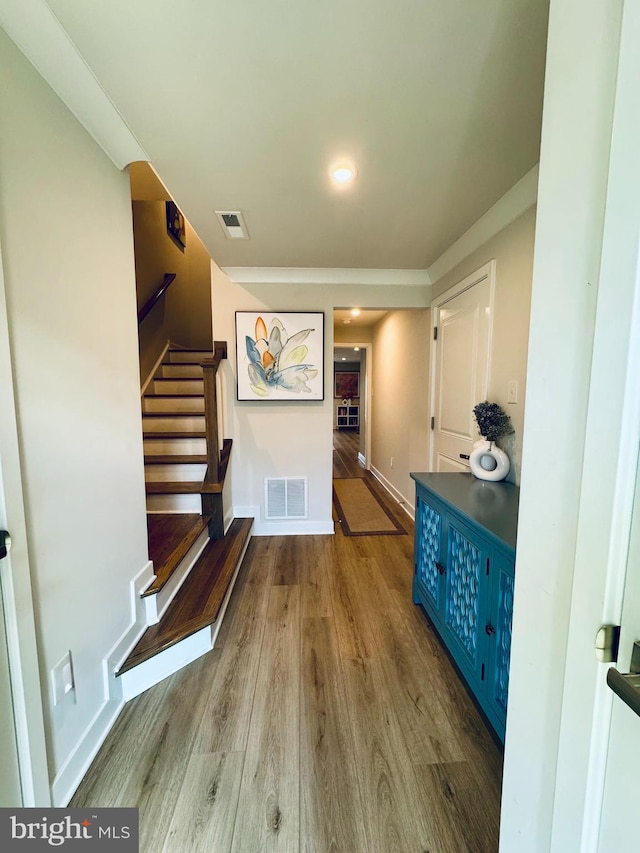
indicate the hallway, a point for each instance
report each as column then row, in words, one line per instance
column 326, row 718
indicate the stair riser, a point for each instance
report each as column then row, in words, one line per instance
column 178, row 446
column 174, row 503
column 178, row 386
column 172, row 404
column 169, row 424
column 179, row 357
column 178, row 371
column 184, row 472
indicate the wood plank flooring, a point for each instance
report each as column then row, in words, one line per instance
column 327, row 718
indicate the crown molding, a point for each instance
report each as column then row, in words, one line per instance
column 506, row 210
column 318, row 275
column 36, row 31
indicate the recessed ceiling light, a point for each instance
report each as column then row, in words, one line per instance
column 342, row 173
column 346, row 322
column 355, row 312
column 343, row 358
column 356, row 349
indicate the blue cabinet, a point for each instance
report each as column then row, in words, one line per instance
column 464, row 558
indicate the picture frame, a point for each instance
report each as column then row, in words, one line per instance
column 176, row 228
column 346, row 385
column 280, row 356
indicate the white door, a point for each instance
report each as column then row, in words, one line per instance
column 463, row 319
column 10, row 791
column 23, row 774
column 622, row 780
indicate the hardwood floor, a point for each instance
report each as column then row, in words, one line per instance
column 346, row 444
column 327, row 718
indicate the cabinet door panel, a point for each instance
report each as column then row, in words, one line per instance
column 500, row 654
column 466, row 561
column 429, row 526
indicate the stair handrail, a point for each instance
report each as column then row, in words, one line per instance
column 156, row 295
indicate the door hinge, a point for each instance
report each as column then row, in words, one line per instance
column 433, row 423
column 435, row 333
column 607, row 643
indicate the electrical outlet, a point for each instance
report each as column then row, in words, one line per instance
column 512, row 391
column 391, row 463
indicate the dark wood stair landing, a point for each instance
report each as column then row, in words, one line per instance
column 198, row 602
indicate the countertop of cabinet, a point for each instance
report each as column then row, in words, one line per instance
column 494, row 506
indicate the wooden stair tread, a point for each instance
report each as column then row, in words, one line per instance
column 199, row 599
column 175, row 487
column 172, row 396
column 170, row 537
column 173, row 414
column 177, row 459
column 149, row 433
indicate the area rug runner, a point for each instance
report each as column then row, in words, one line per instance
column 360, row 511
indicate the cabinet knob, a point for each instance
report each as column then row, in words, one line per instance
column 440, row 568
column 489, row 629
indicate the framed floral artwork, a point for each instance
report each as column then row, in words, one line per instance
column 347, row 385
column 280, row 355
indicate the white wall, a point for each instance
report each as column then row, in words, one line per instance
column 67, row 248
column 512, row 249
column 400, row 416
column 288, row 439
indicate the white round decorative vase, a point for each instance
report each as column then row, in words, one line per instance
column 488, row 462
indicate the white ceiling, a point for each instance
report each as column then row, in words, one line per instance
column 245, row 105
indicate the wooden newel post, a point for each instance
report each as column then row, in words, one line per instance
column 209, row 370
column 213, row 479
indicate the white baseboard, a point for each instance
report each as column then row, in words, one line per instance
column 74, row 768
column 287, row 527
column 398, row 497
column 70, row 774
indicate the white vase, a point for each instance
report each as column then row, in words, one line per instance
column 488, row 462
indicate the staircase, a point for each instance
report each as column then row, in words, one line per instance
column 195, row 559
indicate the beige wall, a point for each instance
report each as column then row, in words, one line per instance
column 184, row 314
column 400, row 403
column 512, row 249
column 67, row 254
column 283, row 439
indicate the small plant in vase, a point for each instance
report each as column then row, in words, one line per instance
column 487, row 460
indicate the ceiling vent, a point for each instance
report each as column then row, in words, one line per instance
column 232, row 224
column 285, row 497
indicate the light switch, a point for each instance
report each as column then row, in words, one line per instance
column 62, row 680
column 512, row 391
